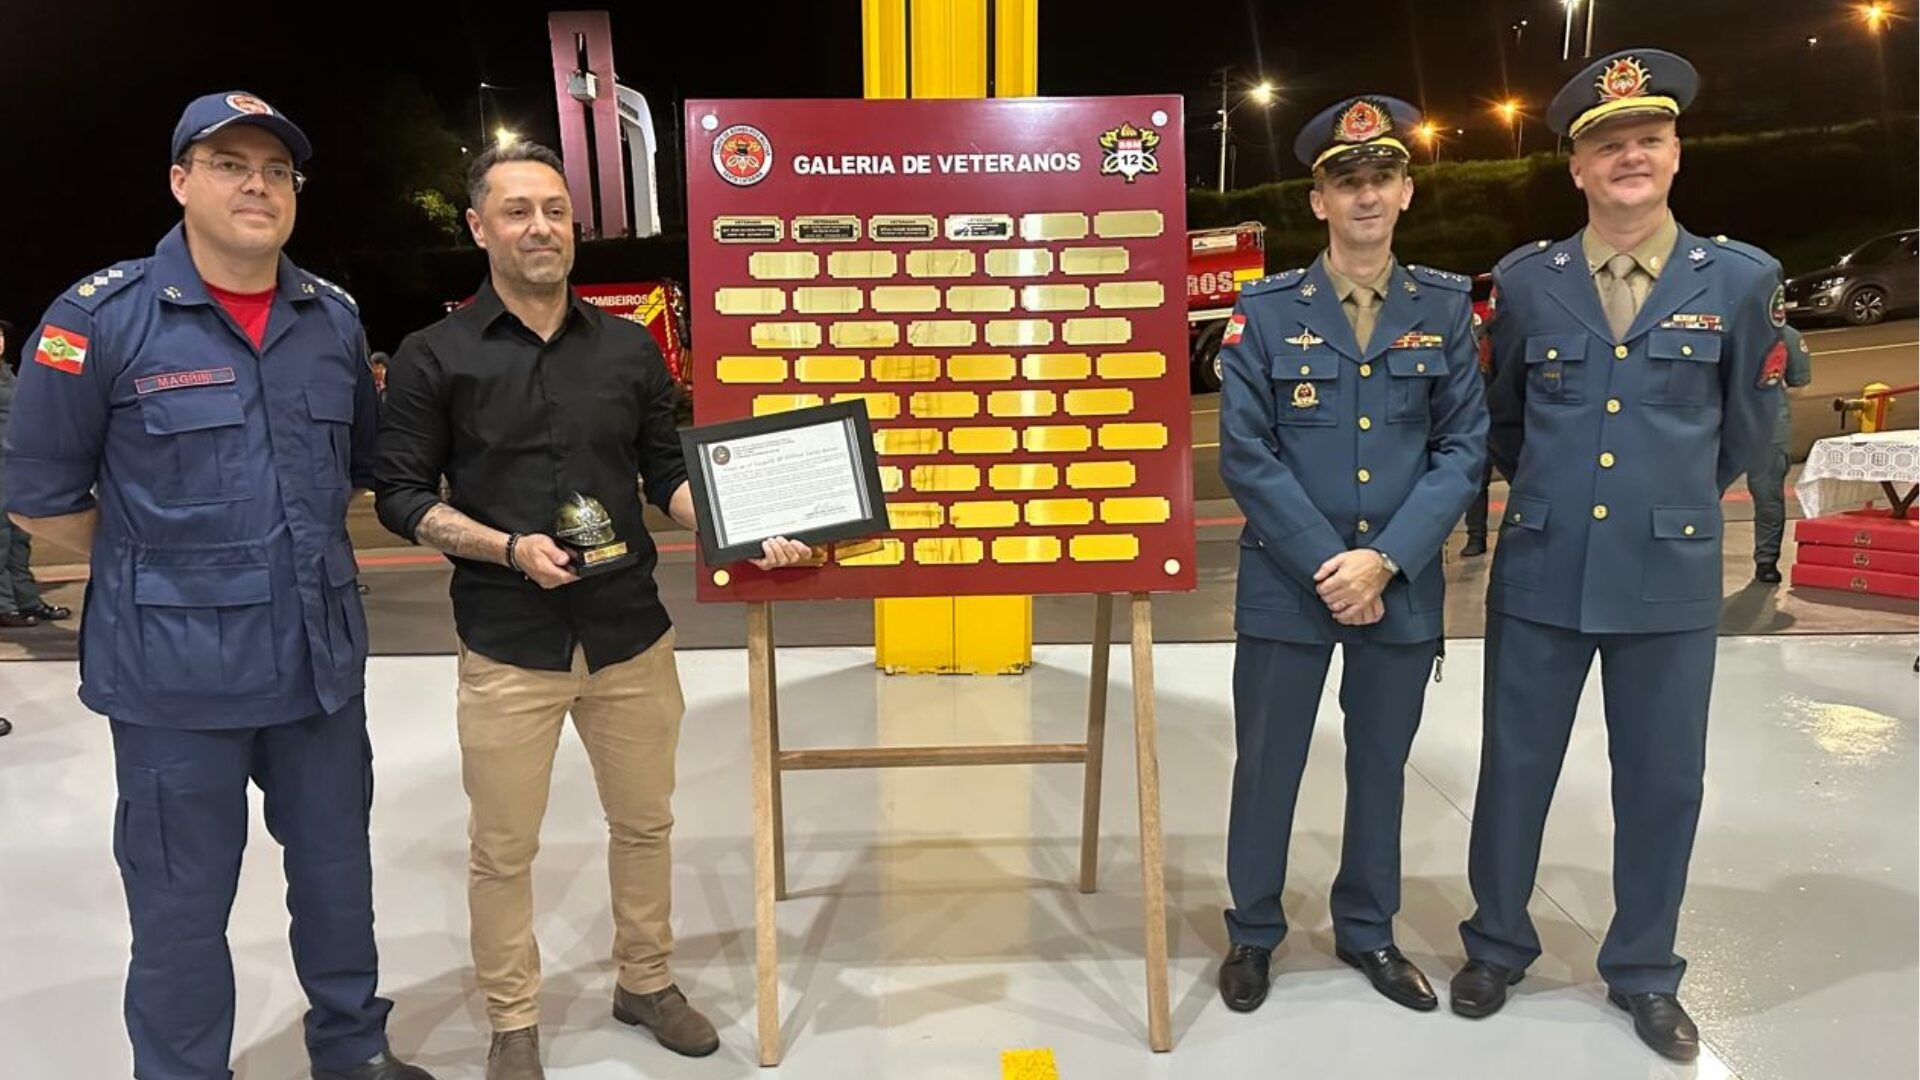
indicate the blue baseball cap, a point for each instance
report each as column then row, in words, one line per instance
column 212, row 112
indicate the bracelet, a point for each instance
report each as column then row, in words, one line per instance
column 513, row 541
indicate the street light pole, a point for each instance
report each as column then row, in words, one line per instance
column 1225, row 82
column 1566, row 38
column 1591, row 4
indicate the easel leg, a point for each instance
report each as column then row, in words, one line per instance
column 1096, row 742
column 1152, row 869
column 766, row 943
column 773, row 736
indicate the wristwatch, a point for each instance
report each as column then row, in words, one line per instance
column 1386, row 560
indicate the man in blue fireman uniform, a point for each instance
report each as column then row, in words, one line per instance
column 1352, row 432
column 1636, row 372
column 196, row 422
column 1767, row 479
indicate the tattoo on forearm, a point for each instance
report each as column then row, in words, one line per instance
column 453, row 532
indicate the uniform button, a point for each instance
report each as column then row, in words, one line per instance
column 1420, row 369
column 1366, row 424
column 1553, row 354
column 1606, row 460
column 1688, row 530
column 1366, row 371
column 1686, row 350
column 1363, row 526
column 1306, row 369
column 1613, row 405
column 1600, row 512
column 1619, row 352
column 1364, row 476
column 1514, row 517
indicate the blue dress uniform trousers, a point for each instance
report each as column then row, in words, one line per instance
column 1656, row 688
column 1329, row 447
column 1619, row 453
column 178, row 836
column 223, row 634
column 1276, row 692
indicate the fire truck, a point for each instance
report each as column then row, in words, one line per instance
column 1219, row 262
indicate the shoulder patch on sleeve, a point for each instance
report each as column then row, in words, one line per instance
column 1286, row 279
column 340, row 295
column 91, row 291
column 1445, row 279
column 1522, row 254
column 1759, row 255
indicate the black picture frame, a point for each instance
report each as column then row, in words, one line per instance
column 694, row 447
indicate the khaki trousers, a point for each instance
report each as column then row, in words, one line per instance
column 628, row 717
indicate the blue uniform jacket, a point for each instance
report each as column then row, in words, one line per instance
column 223, row 585
column 1327, row 447
column 1619, row 454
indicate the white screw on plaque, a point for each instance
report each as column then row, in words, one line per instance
column 709, row 122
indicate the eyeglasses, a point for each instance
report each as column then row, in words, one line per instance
column 229, row 171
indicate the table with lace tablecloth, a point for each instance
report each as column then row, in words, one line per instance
column 1847, row 472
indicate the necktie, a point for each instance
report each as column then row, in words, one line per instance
column 1364, row 300
column 1624, row 295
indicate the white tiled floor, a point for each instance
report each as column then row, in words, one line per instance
column 934, row 923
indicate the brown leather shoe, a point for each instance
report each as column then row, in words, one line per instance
column 515, row 1055
column 678, row 1025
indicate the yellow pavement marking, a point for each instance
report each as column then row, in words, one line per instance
column 1028, row 1065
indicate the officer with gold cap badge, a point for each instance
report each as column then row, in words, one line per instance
column 1636, row 372
column 1352, row 431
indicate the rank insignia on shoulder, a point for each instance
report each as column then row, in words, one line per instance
column 1305, row 396
column 1306, row 339
column 1691, row 322
column 1417, row 340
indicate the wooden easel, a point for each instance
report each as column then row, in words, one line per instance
column 769, row 762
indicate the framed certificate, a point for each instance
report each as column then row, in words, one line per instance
column 810, row 475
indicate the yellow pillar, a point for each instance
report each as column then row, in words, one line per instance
column 944, row 49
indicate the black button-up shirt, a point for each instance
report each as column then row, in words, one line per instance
column 516, row 425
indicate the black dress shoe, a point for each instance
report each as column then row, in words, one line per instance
column 383, row 1067
column 6, row 726
column 1661, row 1023
column 1394, row 976
column 17, row 620
column 1480, row 989
column 1243, row 977
column 1474, row 547
column 1767, row 573
column 46, row 612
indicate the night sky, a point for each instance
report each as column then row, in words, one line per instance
column 89, row 92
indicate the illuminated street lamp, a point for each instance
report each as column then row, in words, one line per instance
column 504, row 136
column 1875, row 15
column 1510, row 111
column 1261, row 93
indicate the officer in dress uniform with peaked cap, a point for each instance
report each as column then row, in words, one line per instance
column 1636, row 372
column 1352, row 429
column 196, row 421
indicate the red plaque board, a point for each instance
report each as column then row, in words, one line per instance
column 1004, row 284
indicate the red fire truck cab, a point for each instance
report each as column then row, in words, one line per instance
column 1219, row 262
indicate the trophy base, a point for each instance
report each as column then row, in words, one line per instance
column 590, row 561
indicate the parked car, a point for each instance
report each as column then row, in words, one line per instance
column 1879, row 278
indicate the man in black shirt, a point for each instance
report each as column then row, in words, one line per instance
column 522, row 400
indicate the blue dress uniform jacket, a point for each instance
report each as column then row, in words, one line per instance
column 1328, row 447
column 223, row 584
column 1631, row 443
